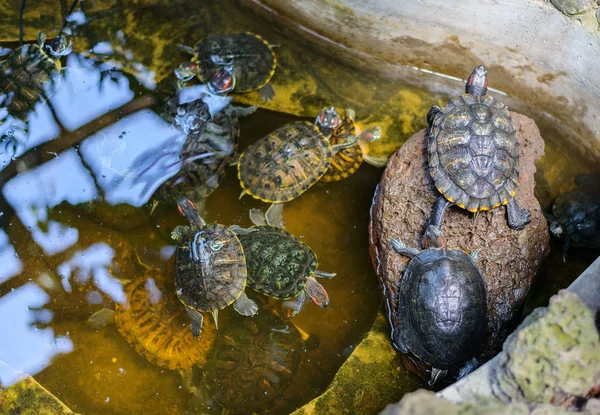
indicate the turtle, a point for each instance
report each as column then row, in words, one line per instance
column 210, row 268
column 473, row 154
column 155, row 324
column 25, row 75
column 280, row 265
column 347, row 161
column 576, row 214
column 253, row 362
column 238, row 62
column 284, row 164
column 442, row 308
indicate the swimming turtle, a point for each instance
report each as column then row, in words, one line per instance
column 576, row 214
column 27, row 77
column 284, row 164
column 347, row 161
column 210, row 268
column 239, row 62
column 473, row 154
column 280, row 265
column 155, row 324
column 442, row 309
column 253, row 362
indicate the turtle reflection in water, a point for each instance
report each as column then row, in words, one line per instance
column 284, row 164
column 253, row 362
column 237, row 63
column 155, row 324
column 473, row 154
column 442, row 309
column 210, row 268
column 576, row 214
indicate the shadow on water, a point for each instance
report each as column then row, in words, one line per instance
column 76, row 220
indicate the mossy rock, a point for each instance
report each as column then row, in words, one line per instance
column 41, row 15
column 372, row 376
column 27, row 397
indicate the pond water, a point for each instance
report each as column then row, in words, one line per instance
column 76, row 220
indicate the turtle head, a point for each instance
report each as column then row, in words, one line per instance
column 187, row 208
column 327, row 121
column 370, row 134
column 222, row 82
column 186, row 71
column 62, row 45
column 556, row 229
column 477, row 82
column 433, row 237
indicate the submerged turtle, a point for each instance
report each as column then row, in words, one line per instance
column 252, row 363
column 25, row 76
column 442, row 309
column 280, row 265
column 155, row 324
column 474, row 154
column 210, row 268
column 576, row 214
column 238, row 63
column 347, row 161
column 284, row 164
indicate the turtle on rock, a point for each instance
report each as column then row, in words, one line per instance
column 210, row 268
column 347, row 161
column 284, row 164
column 442, row 308
column 473, row 154
column 280, row 265
column 240, row 62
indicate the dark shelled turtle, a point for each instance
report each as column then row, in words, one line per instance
column 210, row 268
column 253, row 362
column 473, row 154
column 576, row 214
column 347, row 161
column 240, row 62
column 284, row 164
column 280, row 265
column 442, row 309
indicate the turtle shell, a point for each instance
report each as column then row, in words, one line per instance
column 253, row 362
column 278, row 262
column 207, row 152
column 347, row 161
column 474, row 153
column 284, row 164
column 210, row 269
column 254, row 61
column 156, row 325
column 442, row 309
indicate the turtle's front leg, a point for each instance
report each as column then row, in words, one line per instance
column 274, row 215
column 267, row 93
column 245, row 306
column 196, row 319
column 518, row 217
column 350, row 141
column 398, row 246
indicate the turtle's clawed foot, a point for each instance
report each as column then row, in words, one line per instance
column 245, row 306
column 518, row 217
column 267, row 93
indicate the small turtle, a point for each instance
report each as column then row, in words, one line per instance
column 347, row 161
column 210, row 268
column 576, row 214
column 280, row 265
column 155, row 324
column 284, row 164
column 442, row 309
column 474, row 154
column 240, row 62
column 252, row 363
column 25, row 76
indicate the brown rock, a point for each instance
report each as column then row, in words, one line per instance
column 509, row 259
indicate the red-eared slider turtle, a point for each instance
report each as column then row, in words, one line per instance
column 210, row 268
column 253, row 362
column 240, row 62
column 442, row 309
column 280, row 265
column 284, row 164
column 474, row 154
column 576, row 214
column 27, row 77
column 347, row 161
column 155, row 324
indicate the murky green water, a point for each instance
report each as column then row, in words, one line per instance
column 61, row 256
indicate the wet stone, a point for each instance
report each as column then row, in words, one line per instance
column 27, row 397
column 509, row 259
column 571, row 7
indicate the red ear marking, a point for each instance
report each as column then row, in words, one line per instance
column 180, row 210
column 470, row 80
column 441, row 241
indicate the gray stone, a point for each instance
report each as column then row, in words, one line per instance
column 573, row 6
